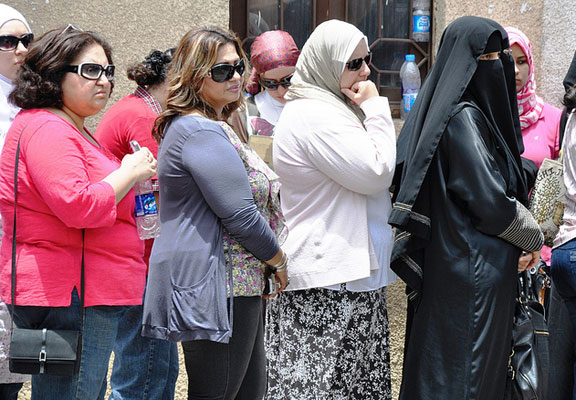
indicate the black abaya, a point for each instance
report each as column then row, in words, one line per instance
column 459, row 341
column 460, row 219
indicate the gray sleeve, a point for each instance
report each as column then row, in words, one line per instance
column 221, row 177
column 523, row 232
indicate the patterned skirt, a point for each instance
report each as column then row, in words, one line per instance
column 327, row 344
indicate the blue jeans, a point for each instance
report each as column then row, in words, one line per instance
column 101, row 325
column 564, row 276
column 144, row 368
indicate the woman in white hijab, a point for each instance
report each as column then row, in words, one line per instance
column 15, row 36
column 335, row 152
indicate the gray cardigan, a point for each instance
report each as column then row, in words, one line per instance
column 203, row 189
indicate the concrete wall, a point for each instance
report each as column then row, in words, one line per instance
column 133, row 28
column 548, row 24
column 558, row 46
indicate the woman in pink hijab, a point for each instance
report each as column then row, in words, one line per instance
column 540, row 124
column 273, row 56
column 540, row 121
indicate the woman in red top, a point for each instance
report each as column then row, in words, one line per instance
column 132, row 118
column 68, row 184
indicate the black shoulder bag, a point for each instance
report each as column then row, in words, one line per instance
column 529, row 361
column 43, row 351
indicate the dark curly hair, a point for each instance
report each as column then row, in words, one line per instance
column 570, row 98
column 152, row 71
column 38, row 83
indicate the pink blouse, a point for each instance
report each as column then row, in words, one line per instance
column 541, row 138
column 60, row 191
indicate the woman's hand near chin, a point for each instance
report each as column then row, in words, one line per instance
column 359, row 92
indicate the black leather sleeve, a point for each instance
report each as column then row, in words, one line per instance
column 476, row 184
column 474, row 180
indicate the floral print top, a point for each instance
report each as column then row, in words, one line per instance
column 247, row 270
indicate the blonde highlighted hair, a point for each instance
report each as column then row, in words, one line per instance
column 196, row 53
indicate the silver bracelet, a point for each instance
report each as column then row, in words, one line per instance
column 282, row 267
column 282, row 261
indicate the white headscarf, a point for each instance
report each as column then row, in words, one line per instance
column 7, row 13
column 322, row 62
column 7, row 110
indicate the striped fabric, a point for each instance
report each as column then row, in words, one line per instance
column 524, row 231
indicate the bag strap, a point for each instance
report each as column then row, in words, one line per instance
column 13, row 294
column 523, row 286
column 230, row 278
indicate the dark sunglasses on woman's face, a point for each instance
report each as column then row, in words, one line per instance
column 224, row 72
column 92, row 71
column 10, row 42
column 273, row 84
column 355, row 64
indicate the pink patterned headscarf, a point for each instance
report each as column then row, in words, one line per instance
column 530, row 105
column 270, row 50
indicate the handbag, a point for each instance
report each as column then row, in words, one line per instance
column 548, row 196
column 529, row 361
column 42, row 351
column 548, row 199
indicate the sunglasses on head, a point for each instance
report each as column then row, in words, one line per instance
column 273, row 84
column 10, row 42
column 224, row 72
column 355, row 64
column 71, row 27
column 92, row 71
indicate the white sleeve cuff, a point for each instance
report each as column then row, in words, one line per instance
column 376, row 106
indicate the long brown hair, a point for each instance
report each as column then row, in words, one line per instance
column 197, row 52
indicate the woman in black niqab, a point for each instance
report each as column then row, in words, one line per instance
column 460, row 217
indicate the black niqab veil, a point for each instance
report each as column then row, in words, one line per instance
column 457, row 76
column 569, row 81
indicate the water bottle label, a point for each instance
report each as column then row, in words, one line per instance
column 145, row 205
column 421, row 23
column 408, row 100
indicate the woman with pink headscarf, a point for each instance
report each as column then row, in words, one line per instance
column 273, row 56
column 540, row 121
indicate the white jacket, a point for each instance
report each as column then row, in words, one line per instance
column 328, row 165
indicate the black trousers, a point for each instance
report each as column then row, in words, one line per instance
column 237, row 370
column 9, row 391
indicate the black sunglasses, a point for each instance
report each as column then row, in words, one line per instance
column 10, row 42
column 355, row 64
column 92, row 71
column 273, row 84
column 224, row 72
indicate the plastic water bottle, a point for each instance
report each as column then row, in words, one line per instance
column 145, row 211
column 421, row 20
column 410, row 76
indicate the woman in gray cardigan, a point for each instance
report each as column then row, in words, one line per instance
column 220, row 216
